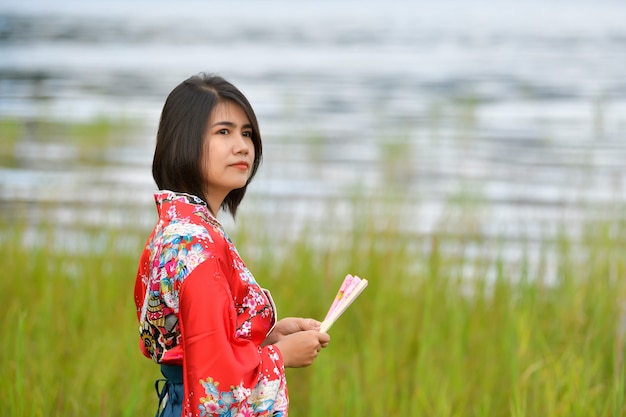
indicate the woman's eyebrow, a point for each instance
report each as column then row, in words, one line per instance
column 231, row 124
column 223, row 123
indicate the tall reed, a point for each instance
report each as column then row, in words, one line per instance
column 449, row 325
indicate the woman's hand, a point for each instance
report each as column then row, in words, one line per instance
column 299, row 340
column 300, row 349
column 289, row 326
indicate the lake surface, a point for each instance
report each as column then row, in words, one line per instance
column 506, row 117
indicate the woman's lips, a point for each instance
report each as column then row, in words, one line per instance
column 241, row 165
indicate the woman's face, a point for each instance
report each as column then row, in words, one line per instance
column 228, row 152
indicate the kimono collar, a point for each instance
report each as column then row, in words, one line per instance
column 166, row 200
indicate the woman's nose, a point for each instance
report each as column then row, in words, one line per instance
column 243, row 145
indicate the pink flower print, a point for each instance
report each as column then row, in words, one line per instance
column 250, row 303
column 243, row 276
column 244, row 273
column 259, row 298
column 245, row 412
column 211, row 406
column 244, row 330
column 170, row 267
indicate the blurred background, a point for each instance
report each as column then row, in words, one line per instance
column 439, row 149
column 516, row 109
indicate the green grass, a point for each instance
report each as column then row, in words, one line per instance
column 424, row 339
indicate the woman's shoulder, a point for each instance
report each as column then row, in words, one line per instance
column 194, row 231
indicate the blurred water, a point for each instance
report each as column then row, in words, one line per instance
column 515, row 108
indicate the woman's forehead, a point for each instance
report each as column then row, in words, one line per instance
column 228, row 111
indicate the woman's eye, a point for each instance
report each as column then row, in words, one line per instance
column 247, row 134
column 222, row 132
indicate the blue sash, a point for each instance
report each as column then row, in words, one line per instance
column 172, row 389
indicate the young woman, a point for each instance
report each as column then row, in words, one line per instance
column 202, row 315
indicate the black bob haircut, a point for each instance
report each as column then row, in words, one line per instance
column 177, row 164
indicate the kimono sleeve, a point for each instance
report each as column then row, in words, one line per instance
column 224, row 374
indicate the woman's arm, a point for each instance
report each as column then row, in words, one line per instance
column 223, row 373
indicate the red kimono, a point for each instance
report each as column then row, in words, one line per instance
column 200, row 307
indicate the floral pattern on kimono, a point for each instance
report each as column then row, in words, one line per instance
column 199, row 306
